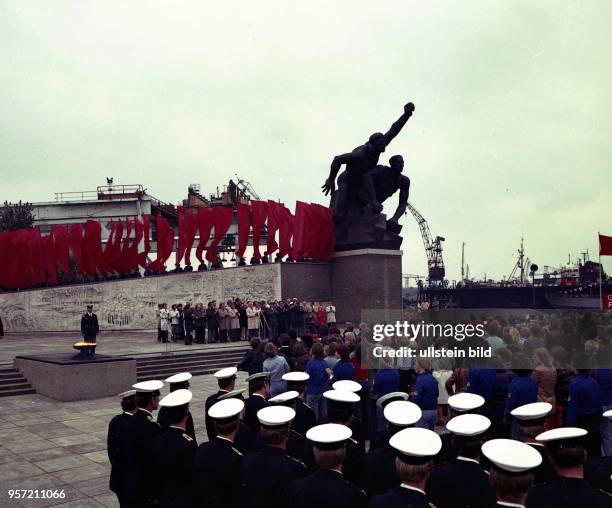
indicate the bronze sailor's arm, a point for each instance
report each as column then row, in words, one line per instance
column 397, row 126
column 330, row 184
column 404, row 189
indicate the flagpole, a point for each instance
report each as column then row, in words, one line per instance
column 600, row 274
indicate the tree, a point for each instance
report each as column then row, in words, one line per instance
column 15, row 216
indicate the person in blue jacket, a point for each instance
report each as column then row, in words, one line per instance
column 425, row 393
column 522, row 390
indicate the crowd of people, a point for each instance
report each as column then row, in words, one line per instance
column 317, row 428
column 238, row 319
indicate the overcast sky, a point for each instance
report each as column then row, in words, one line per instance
column 511, row 135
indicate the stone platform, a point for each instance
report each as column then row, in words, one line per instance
column 69, row 377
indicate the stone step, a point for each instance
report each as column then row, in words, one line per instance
column 194, row 372
column 151, row 360
column 187, row 364
column 15, row 379
column 18, row 391
column 12, row 382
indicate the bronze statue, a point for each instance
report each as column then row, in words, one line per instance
column 363, row 187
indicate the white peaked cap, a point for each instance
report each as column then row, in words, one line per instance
column 533, row 411
column 402, row 413
column 416, row 442
column 179, row 378
column 275, row 416
column 348, row 385
column 225, row 373
column 296, row 377
column 510, row 455
column 341, row 396
column 468, row 425
column 283, row 397
column 227, row 408
column 465, row 401
column 148, row 386
column 560, row 434
column 329, row 434
column 176, row 398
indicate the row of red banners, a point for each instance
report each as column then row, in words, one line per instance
column 27, row 258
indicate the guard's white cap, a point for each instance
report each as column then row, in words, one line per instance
column 462, row 402
column 281, row 398
column 125, row 395
column 561, row 434
column 181, row 377
column 607, row 414
column 390, row 397
column 176, row 398
column 148, row 386
column 416, row 445
column 402, row 413
column 257, row 375
column 341, row 396
column 535, row 411
column 225, row 373
column 468, row 425
column 296, row 377
column 226, row 409
column 510, row 455
column 275, row 416
column 348, row 385
column 329, row 436
column 232, row 394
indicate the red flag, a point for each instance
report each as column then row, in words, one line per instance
column 286, row 227
column 35, row 264
column 92, row 247
column 76, row 245
column 106, row 260
column 222, row 220
column 49, row 254
column 115, row 253
column 274, row 216
column 605, row 245
column 188, row 225
column 5, row 256
column 244, row 225
column 299, row 223
column 142, row 256
column 165, row 244
column 205, row 224
column 259, row 211
column 134, row 256
column 328, row 232
column 18, row 259
column 61, row 239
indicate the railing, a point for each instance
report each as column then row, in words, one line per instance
column 76, row 196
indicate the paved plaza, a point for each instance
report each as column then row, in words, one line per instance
column 46, row 444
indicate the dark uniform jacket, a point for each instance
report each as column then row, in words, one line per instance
column 400, row 497
column 208, row 421
column 217, row 475
column 460, row 483
column 598, row 472
column 245, row 440
column 174, row 453
column 544, row 472
column 563, row 492
column 378, row 473
column 253, row 404
column 351, row 467
column 89, row 326
column 267, row 477
column 326, row 489
column 162, row 419
column 142, row 483
column 304, row 417
column 447, row 452
column 115, row 442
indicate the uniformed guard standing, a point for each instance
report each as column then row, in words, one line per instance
column 116, row 443
column 378, row 473
column 415, row 450
column 218, row 464
column 565, row 446
column 598, row 470
column 446, row 487
column 381, row 436
column 89, row 329
column 142, row 484
column 356, row 423
column 245, row 440
column 326, row 487
column 267, row 475
column 174, row 451
column 259, row 392
column 512, row 465
column 226, row 379
column 297, row 446
column 531, row 419
column 304, row 415
column 177, row 382
column 522, row 390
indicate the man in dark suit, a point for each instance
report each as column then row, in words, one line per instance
column 174, row 451
column 178, row 381
column 218, row 464
column 259, row 391
column 89, row 325
column 226, row 379
column 326, row 487
column 142, row 482
column 115, row 442
column 267, row 475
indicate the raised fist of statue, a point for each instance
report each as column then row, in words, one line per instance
column 328, row 187
column 409, row 108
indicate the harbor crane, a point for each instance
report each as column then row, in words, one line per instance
column 433, row 249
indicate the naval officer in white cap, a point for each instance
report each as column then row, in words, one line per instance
column 415, row 449
column 304, row 415
column 142, row 483
column 267, row 475
column 174, row 451
column 259, row 393
column 598, row 470
column 218, row 464
column 512, row 465
column 378, row 473
column 116, row 442
column 446, row 485
column 326, row 487
column 178, row 381
column 566, row 448
column 226, row 379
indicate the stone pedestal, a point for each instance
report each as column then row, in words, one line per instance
column 365, row 279
column 64, row 377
